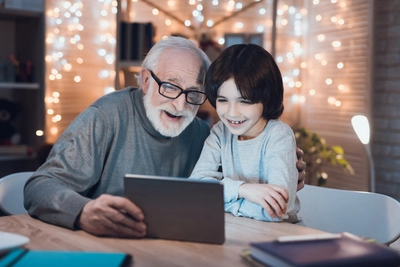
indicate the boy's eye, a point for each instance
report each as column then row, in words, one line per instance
column 221, row 99
column 246, row 101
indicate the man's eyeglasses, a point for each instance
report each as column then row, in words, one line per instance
column 172, row 91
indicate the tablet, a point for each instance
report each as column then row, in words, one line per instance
column 179, row 208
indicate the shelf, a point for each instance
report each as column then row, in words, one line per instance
column 16, row 157
column 10, row 85
column 127, row 64
column 11, row 13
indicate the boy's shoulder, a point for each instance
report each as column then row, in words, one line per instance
column 278, row 125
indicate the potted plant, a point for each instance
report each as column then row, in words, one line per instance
column 316, row 152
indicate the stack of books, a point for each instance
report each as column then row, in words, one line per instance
column 136, row 39
column 326, row 250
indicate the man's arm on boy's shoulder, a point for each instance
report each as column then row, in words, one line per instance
column 301, row 167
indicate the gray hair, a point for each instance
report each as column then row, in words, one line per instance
column 177, row 43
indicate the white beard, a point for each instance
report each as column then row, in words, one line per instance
column 153, row 113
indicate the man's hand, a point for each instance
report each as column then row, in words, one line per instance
column 112, row 216
column 301, row 167
column 272, row 198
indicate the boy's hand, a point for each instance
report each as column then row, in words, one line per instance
column 272, row 198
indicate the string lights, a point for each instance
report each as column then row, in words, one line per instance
column 81, row 41
column 80, row 58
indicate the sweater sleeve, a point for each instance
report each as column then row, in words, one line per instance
column 209, row 165
column 56, row 191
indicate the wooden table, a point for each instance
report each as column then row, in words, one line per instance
column 155, row 252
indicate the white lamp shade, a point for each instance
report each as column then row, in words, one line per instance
column 361, row 127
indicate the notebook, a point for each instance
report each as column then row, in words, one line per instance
column 344, row 250
column 179, row 208
column 27, row 258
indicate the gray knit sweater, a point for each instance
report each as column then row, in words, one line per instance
column 109, row 139
column 268, row 158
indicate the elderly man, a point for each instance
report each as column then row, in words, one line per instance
column 153, row 130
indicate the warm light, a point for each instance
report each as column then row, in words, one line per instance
column 187, row 23
column 321, row 37
column 328, row 81
column 168, row 22
column 340, row 65
column 361, row 127
column 336, row 43
column 39, row 133
column 155, row 11
column 54, row 130
column 312, row 92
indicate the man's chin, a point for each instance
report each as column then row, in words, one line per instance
column 171, row 130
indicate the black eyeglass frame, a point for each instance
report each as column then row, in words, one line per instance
column 185, row 92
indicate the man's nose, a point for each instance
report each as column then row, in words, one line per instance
column 180, row 102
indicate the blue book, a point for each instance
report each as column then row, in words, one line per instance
column 25, row 258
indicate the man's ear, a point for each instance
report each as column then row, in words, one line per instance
column 145, row 80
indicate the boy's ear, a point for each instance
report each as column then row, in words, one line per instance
column 145, row 73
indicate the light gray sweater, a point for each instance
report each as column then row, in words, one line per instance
column 268, row 158
column 109, row 139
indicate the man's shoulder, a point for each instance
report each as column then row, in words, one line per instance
column 200, row 127
column 116, row 98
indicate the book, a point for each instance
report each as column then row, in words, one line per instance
column 24, row 258
column 125, row 40
column 343, row 250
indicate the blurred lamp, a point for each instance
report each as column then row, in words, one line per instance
column 361, row 127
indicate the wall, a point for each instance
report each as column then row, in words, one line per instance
column 386, row 95
column 80, row 59
column 336, row 83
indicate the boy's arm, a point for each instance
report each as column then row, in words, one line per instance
column 209, row 165
column 280, row 171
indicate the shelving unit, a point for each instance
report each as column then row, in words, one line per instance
column 23, row 37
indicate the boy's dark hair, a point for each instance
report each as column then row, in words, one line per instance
column 256, row 75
